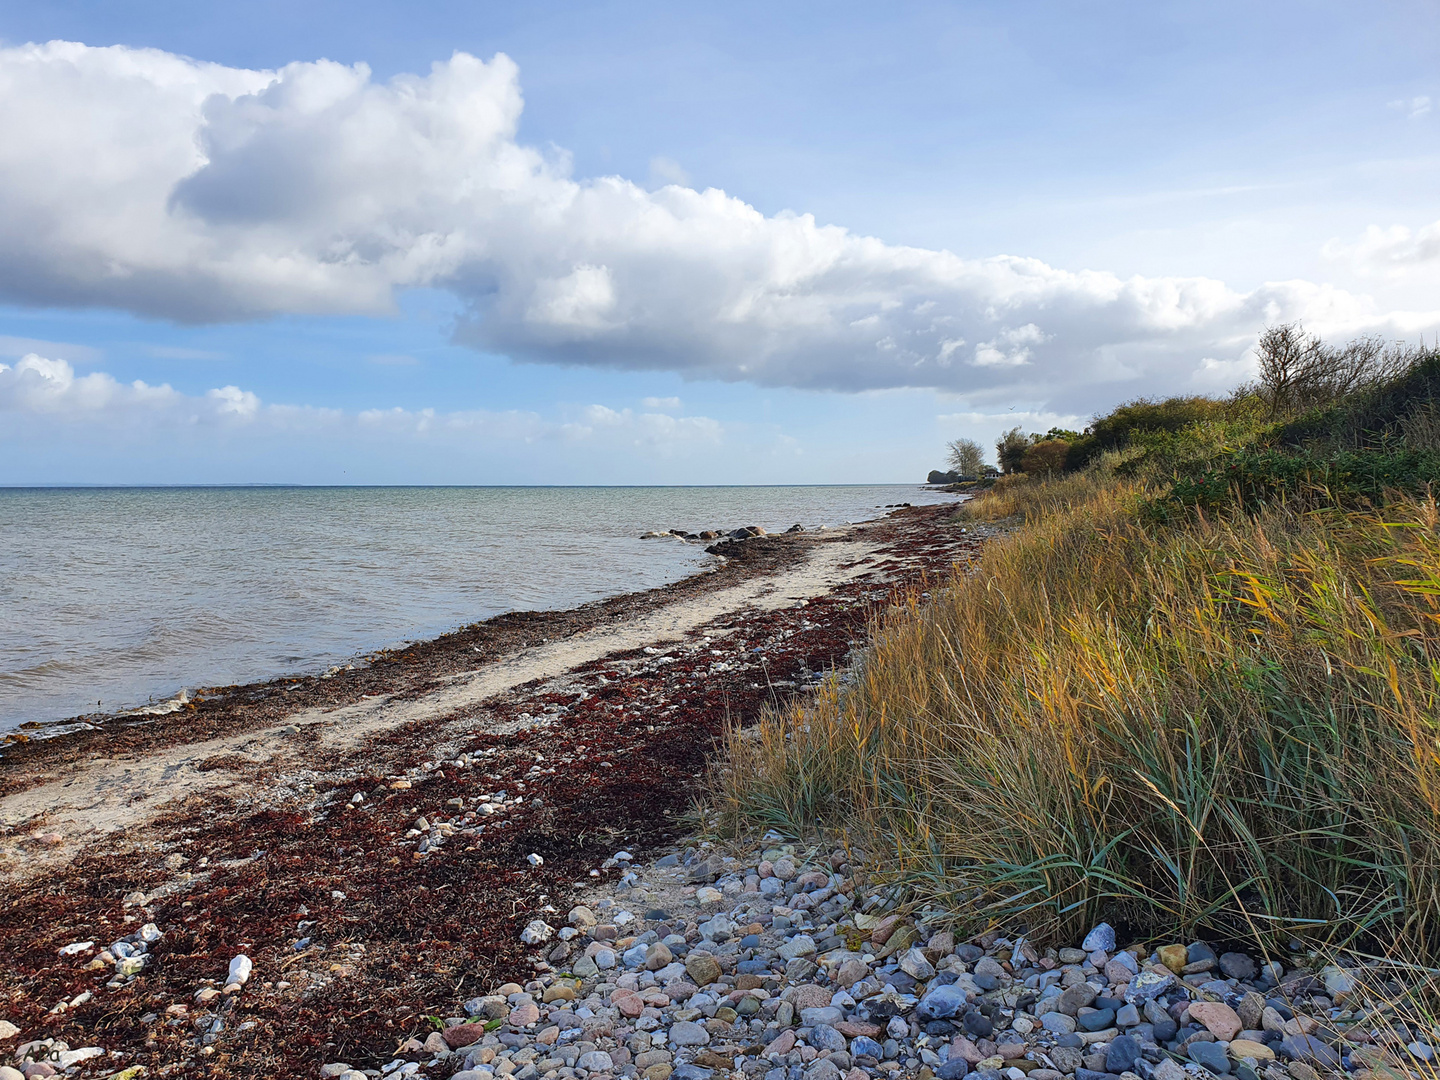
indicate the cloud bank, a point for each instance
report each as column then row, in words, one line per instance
column 150, row 182
column 38, row 387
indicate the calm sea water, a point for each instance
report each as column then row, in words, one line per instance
column 114, row 597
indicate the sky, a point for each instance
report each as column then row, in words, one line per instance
column 637, row 243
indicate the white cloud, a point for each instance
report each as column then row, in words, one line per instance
column 661, row 402
column 1010, row 348
column 138, row 179
column 986, row 427
column 1414, row 108
column 41, row 389
column 1392, row 251
column 36, row 384
column 234, row 401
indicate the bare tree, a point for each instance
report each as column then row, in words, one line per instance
column 1298, row 371
column 965, row 457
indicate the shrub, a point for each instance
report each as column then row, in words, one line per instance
column 1256, row 478
column 1010, row 449
column 1400, row 409
column 1045, row 457
column 1224, row 722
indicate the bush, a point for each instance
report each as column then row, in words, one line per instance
column 1224, row 722
column 1256, row 478
column 1400, row 410
column 1117, row 429
column 1044, row 458
column 1010, row 450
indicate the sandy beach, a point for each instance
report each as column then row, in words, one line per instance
column 278, row 819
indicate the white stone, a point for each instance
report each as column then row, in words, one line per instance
column 8, row 1030
column 74, row 1057
column 77, row 947
column 537, row 931
column 240, row 969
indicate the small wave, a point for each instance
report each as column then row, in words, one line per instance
column 175, row 704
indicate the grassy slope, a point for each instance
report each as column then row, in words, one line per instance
column 1221, row 721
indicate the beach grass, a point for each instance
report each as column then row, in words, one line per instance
column 1226, row 723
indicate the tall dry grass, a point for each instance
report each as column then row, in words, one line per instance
column 1228, row 727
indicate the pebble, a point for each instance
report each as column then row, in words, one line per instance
column 1219, row 1019
column 774, row 967
column 1211, row 1055
column 688, row 1033
column 239, row 973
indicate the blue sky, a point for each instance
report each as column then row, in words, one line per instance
column 1070, row 205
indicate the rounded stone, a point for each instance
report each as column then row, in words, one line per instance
column 688, row 1033
column 1219, row 1019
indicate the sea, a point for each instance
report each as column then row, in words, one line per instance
column 112, row 598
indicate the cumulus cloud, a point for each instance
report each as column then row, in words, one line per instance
column 49, row 390
column 1392, row 251
column 36, row 384
column 139, row 179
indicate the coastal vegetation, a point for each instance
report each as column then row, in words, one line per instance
column 1192, row 684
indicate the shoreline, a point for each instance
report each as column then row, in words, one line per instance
column 285, row 828
column 492, row 635
column 488, row 637
column 52, row 692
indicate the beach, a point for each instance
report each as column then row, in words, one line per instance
column 252, row 819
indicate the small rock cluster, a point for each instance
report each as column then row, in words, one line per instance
column 778, row 966
column 127, row 956
column 745, row 532
column 54, row 1057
